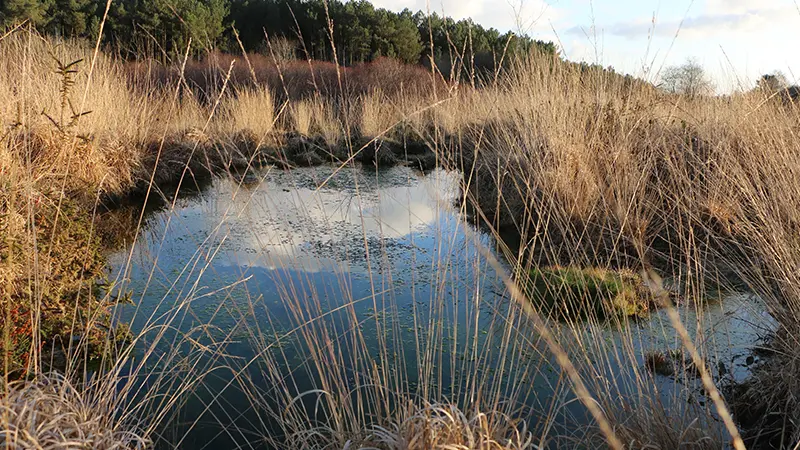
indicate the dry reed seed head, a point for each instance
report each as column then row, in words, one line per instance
column 378, row 115
column 251, row 110
column 302, row 115
column 48, row 412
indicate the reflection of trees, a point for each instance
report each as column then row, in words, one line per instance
column 123, row 212
column 363, row 181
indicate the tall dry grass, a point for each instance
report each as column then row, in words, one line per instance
column 315, row 118
column 589, row 171
column 66, row 147
column 251, row 110
column 50, row 413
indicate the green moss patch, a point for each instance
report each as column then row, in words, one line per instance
column 578, row 293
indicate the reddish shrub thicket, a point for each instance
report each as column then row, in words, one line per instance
column 16, row 350
column 299, row 79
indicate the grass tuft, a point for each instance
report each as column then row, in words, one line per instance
column 49, row 412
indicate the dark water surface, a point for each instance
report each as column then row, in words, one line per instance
column 385, row 255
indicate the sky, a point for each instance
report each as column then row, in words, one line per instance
column 735, row 40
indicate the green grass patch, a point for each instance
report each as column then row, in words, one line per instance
column 579, row 293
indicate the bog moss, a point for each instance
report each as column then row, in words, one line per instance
column 580, row 293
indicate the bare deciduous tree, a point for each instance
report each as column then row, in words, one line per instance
column 688, row 78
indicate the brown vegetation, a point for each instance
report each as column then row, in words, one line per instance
column 48, row 412
column 289, row 79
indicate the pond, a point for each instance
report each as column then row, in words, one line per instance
column 270, row 278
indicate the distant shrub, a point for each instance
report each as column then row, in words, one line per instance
column 296, row 79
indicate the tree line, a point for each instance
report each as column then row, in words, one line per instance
column 361, row 32
column 690, row 79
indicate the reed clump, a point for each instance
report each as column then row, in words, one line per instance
column 441, row 425
column 49, row 412
column 425, row 426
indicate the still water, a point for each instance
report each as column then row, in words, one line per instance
column 380, row 270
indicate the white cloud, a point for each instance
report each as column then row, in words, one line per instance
column 308, row 228
column 709, row 24
column 741, row 21
column 743, row 6
column 533, row 16
column 736, row 40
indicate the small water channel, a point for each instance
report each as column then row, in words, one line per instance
column 386, row 256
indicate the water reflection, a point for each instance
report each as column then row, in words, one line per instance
column 315, row 226
column 392, row 244
column 313, row 220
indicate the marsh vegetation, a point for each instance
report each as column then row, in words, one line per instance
column 249, row 251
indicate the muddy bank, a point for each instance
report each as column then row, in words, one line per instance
column 192, row 155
